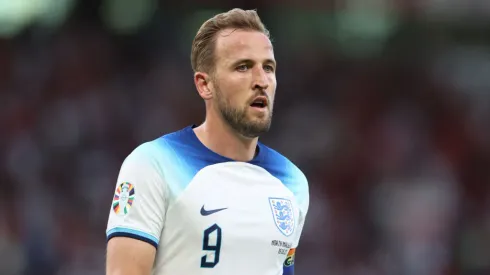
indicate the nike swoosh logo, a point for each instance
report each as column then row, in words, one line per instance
column 205, row 212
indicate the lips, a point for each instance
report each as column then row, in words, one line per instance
column 260, row 102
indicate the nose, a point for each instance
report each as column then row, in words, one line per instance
column 261, row 81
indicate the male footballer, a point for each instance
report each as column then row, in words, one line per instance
column 212, row 199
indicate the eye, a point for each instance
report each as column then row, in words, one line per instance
column 242, row 68
column 269, row 68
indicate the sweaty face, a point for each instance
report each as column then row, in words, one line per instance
column 244, row 81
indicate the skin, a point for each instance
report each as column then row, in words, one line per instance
column 244, row 69
column 127, row 256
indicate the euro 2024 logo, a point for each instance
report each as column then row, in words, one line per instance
column 123, row 198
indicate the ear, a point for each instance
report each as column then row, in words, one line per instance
column 203, row 85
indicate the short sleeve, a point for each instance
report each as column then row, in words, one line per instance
column 138, row 206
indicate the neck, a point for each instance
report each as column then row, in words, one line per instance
column 223, row 140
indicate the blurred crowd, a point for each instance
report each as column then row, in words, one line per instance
column 395, row 144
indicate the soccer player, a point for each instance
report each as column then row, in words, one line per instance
column 211, row 199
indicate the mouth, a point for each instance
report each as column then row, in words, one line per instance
column 260, row 102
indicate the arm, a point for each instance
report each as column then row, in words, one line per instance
column 136, row 216
column 128, row 256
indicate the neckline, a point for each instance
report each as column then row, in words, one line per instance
column 258, row 157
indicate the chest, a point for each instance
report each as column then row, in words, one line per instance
column 237, row 209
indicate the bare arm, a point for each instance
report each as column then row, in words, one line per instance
column 128, row 256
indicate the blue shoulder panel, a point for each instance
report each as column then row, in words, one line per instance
column 288, row 173
column 181, row 156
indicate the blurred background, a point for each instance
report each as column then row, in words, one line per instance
column 385, row 105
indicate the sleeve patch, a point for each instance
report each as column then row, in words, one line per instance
column 290, row 258
column 123, row 198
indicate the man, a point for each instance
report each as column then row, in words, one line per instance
column 212, row 199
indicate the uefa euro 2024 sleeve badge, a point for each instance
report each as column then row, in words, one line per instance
column 282, row 212
column 123, row 198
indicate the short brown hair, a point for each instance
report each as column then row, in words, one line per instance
column 202, row 52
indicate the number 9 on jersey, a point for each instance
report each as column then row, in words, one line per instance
column 208, row 261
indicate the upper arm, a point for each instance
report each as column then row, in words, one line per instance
column 137, row 214
column 129, row 256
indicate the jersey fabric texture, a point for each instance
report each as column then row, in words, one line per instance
column 207, row 214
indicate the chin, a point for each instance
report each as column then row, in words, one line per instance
column 260, row 122
column 261, row 127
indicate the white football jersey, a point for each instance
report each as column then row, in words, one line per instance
column 207, row 214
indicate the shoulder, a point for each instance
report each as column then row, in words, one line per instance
column 177, row 156
column 155, row 153
column 162, row 148
column 144, row 152
column 142, row 162
column 286, row 171
column 282, row 166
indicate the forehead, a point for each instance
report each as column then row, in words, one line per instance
column 242, row 44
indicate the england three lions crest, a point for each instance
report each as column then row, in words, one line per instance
column 282, row 212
